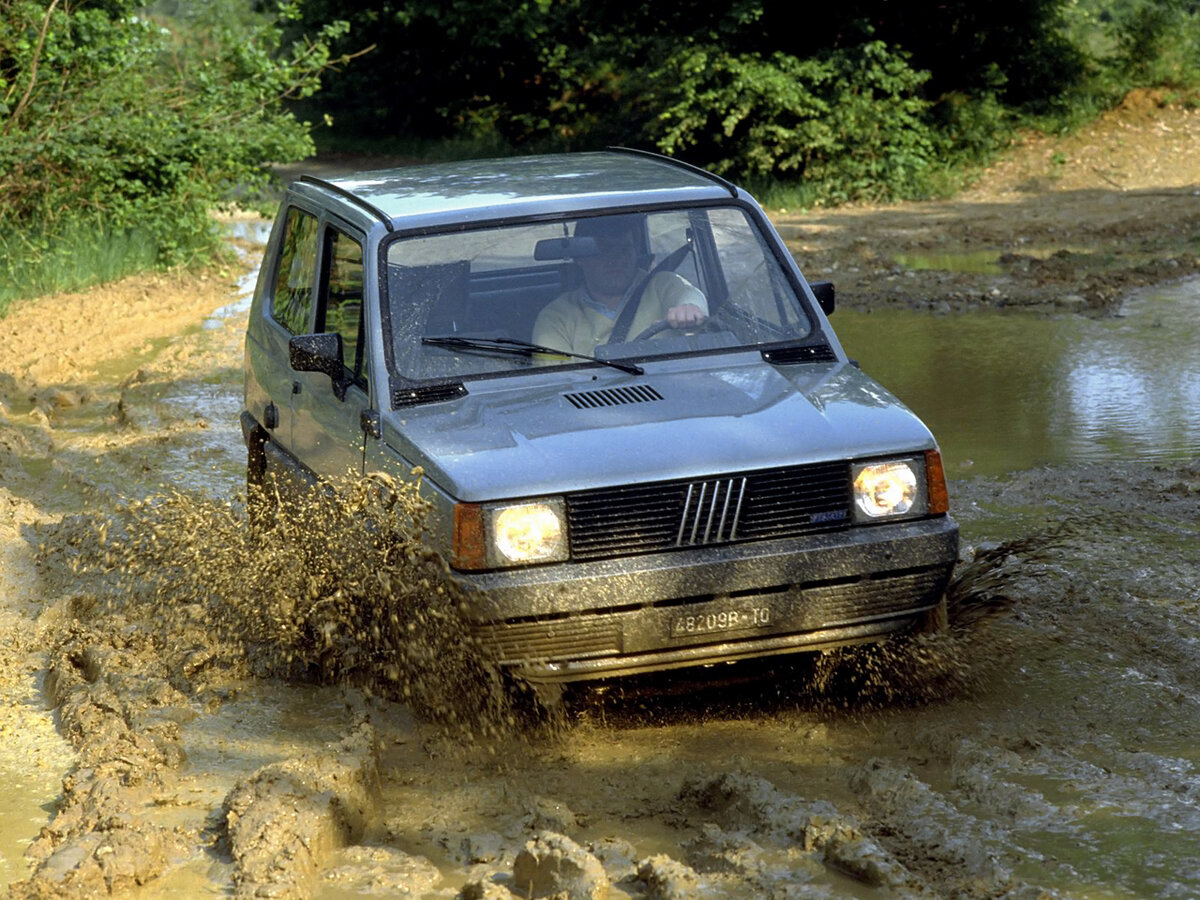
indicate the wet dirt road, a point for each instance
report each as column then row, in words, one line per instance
column 155, row 743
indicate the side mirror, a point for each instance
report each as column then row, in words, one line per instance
column 823, row 291
column 320, row 353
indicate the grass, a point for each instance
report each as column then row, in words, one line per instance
column 78, row 257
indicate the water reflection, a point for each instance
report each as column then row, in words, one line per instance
column 1008, row 392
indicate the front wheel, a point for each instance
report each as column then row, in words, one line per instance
column 262, row 502
column 935, row 620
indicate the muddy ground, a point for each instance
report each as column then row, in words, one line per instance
column 1058, row 224
column 157, row 741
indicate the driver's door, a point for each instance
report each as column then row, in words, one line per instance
column 327, row 432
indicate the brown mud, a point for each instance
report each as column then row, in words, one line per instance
column 191, row 707
column 1067, row 224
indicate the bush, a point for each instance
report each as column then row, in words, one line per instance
column 1156, row 43
column 852, row 122
column 110, row 125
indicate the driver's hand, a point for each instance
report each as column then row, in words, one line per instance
column 684, row 314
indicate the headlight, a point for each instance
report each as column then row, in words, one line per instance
column 531, row 532
column 510, row 534
column 890, row 489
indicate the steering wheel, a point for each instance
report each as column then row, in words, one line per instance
column 707, row 324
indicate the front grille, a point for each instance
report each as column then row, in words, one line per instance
column 825, row 606
column 645, row 518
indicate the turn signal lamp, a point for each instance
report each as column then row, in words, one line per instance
column 488, row 536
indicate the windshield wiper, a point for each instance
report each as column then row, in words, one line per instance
column 521, row 348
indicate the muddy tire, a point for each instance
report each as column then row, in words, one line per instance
column 935, row 620
column 262, row 504
column 535, row 704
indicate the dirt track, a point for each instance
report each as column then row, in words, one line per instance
column 1044, row 748
column 1076, row 223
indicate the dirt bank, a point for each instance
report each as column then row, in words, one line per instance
column 1059, row 224
column 154, row 745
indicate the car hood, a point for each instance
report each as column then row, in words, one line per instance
column 547, row 434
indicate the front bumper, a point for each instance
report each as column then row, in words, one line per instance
column 577, row 621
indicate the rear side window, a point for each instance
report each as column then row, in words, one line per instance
column 292, row 303
column 342, row 305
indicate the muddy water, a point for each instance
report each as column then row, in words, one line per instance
column 1004, row 393
column 1043, row 748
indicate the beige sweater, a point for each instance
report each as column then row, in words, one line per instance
column 570, row 323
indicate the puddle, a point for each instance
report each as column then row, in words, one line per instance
column 987, row 262
column 981, row 262
column 25, row 806
column 240, row 307
column 1006, row 392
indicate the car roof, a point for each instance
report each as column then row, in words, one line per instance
column 426, row 195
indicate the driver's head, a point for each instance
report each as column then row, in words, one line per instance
column 614, row 267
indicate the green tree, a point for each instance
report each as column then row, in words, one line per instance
column 110, row 124
column 571, row 74
column 852, row 119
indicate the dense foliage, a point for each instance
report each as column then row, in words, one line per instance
column 117, row 131
column 122, row 124
column 861, row 99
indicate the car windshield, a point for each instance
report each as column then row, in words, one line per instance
column 628, row 286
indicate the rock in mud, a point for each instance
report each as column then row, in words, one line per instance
column 553, row 865
column 546, row 814
column 619, row 858
column 863, row 859
column 745, row 801
column 667, row 879
column 284, row 822
column 485, row 890
column 482, row 848
column 720, row 852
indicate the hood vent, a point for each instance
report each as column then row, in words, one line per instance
column 427, row 393
column 613, row 397
column 811, row 353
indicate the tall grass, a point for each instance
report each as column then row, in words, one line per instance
column 81, row 255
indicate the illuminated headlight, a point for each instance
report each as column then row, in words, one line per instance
column 890, row 489
column 513, row 534
column 528, row 533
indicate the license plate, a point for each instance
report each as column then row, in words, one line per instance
column 742, row 618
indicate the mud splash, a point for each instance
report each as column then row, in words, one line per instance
column 172, row 604
column 176, row 604
column 340, row 589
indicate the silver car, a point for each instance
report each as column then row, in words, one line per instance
column 661, row 461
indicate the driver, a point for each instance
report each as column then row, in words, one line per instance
column 583, row 318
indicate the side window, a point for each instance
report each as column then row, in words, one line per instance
column 341, row 306
column 291, row 305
